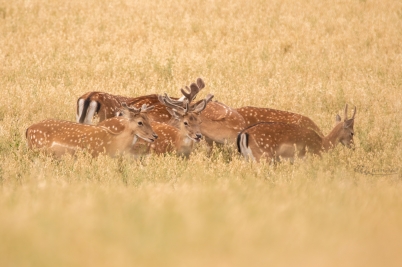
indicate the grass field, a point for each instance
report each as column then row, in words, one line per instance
column 310, row 57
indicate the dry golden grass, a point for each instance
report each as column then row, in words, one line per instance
column 309, row 57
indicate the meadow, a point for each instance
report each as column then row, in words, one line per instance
column 305, row 56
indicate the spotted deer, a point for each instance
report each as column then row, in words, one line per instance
column 113, row 137
column 275, row 140
column 181, row 133
column 220, row 123
column 254, row 115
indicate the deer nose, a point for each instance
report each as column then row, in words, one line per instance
column 198, row 135
column 155, row 135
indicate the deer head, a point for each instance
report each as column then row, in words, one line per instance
column 184, row 116
column 139, row 121
column 345, row 128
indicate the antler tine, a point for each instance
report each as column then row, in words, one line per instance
column 209, row 97
column 354, row 113
column 186, row 106
column 346, row 112
column 165, row 100
column 194, row 90
column 168, row 100
column 187, row 95
column 173, row 101
column 200, row 83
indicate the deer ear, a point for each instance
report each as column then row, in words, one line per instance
column 338, row 118
column 200, row 107
column 121, row 112
column 194, row 88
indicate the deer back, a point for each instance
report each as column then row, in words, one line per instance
column 221, row 123
column 280, row 139
column 254, row 115
column 158, row 114
column 103, row 104
column 60, row 137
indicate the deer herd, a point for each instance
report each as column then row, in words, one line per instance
column 161, row 124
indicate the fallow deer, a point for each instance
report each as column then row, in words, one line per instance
column 275, row 140
column 254, row 115
column 114, row 136
column 182, row 132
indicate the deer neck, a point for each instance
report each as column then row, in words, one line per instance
column 185, row 141
column 135, row 139
column 122, row 141
column 332, row 139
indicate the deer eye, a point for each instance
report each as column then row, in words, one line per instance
column 186, row 123
column 140, row 123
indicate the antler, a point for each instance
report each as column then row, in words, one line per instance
column 354, row 113
column 200, row 83
column 171, row 104
column 193, row 90
column 178, row 103
column 345, row 118
column 349, row 122
column 346, row 113
column 189, row 93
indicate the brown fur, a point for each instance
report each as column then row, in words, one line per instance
column 113, row 136
column 109, row 105
column 274, row 140
column 254, row 115
column 172, row 139
column 220, row 123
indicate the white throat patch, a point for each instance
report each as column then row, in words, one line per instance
column 135, row 139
